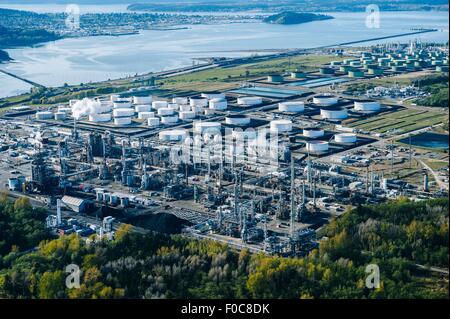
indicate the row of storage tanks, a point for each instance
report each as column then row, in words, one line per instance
column 374, row 64
column 327, row 110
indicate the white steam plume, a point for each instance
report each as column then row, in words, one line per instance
column 85, row 107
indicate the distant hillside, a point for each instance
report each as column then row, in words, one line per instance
column 19, row 37
column 295, row 18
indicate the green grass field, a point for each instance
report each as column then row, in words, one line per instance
column 403, row 121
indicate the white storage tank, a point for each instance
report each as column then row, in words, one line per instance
column 180, row 100
column 64, row 109
column 242, row 135
column 313, row 132
column 345, row 138
column 187, row 115
column 218, row 104
column 159, row 104
column 237, row 120
column 60, row 116
column 121, row 104
column 173, row 106
column 333, row 114
column 169, row 119
column 249, row 100
column 292, row 107
column 145, row 115
column 173, row 135
column 317, row 146
column 210, row 127
column 122, row 121
column 281, row 126
column 142, row 108
column 114, row 97
column 97, row 118
column 142, row 99
column 325, row 100
column 198, row 102
column 123, row 112
column 213, row 95
column 153, row 121
column 165, row 111
column 367, row 106
column 44, row 115
column 184, row 107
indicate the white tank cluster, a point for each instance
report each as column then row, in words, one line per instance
column 60, row 116
column 239, row 120
column 334, row 114
column 317, row 146
column 367, row 106
column 291, row 107
column 345, row 138
column 281, row 126
column 325, row 100
column 173, row 135
column 207, row 127
column 44, row 115
column 170, row 119
column 249, row 100
column 313, row 132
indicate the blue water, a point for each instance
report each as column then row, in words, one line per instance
column 428, row 140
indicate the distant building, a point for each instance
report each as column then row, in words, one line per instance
column 78, row 205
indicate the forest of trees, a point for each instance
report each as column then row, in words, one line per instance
column 396, row 236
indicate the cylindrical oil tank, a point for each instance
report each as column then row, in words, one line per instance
column 145, row 115
column 44, row 115
column 345, row 138
column 298, row 75
column 237, row 120
column 13, row 184
column 169, row 119
column 142, row 99
column 187, row 115
column 213, row 95
column 60, row 116
column 198, row 102
column 281, row 126
column 207, row 127
column 96, row 118
column 292, row 107
column 325, row 100
column 99, row 196
column 326, row 70
column 106, row 197
column 142, row 108
column 173, row 106
column 249, row 100
column 313, row 132
column 218, row 104
column 66, row 110
column 275, row 78
column 159, row 104
column 173, row 135
column 317, row 146
column 122, row 104
column 123, row 112
column 153, row 121
column 114, row 97
column 114, row 200
column 367, row 106
column 122, row 120
column 184, row 107
column 242, row 135
column 180, row 100
column 333, row 114
column 165, row 111
column 356, row 74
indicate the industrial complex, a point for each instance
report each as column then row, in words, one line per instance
column 263, row 165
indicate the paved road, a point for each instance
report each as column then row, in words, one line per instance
column 436, row 176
